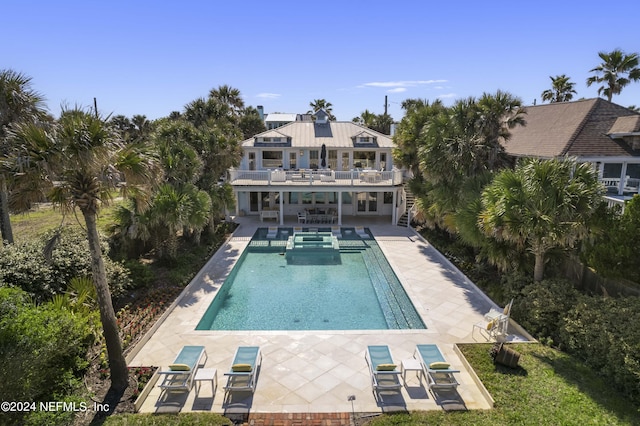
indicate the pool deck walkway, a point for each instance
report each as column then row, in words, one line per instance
column 318, row 371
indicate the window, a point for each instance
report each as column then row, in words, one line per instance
column 388, row 198
column 365, row 159
column 293, row 197
column 271, row 159
column 276, row 140
column 266, row 139
column 347, row 197
column 313, row 159
column 333, row 159
column 365, row 139
column 293, row 160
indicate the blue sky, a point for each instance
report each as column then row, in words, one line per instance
column 151, row 58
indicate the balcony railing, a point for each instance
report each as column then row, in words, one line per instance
column 630, row 185
column 315, row 177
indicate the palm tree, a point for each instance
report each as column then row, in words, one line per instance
column 318, row 104
column 229, row 96
column 18, row 103
column 562, row 90
column 616, row 71
column 540, row 205
column 81, row 161
column 366, row 118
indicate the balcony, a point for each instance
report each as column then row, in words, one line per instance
column 315, row 178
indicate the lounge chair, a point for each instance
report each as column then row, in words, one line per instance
column 180, row 375
column 272, row 232
column 361, row 232
column 243, row 372
column 435, row 368
column 495, row 313
column 493, row 329
column 384, row 372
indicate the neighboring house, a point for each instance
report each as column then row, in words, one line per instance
column 591, row 130
column 337, row 168
column 277, row 119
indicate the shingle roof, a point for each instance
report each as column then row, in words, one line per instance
column 578, row 128
column 334, row 134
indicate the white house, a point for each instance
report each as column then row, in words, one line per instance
column 323, row 169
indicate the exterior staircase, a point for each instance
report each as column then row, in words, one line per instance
column 411, row 199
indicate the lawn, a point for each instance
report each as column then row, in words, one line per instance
column 34, row 223
column 549, row 388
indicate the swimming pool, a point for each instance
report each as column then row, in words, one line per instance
column 275, row 286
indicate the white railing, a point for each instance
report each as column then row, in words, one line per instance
column 315, row 177
column 612, row 185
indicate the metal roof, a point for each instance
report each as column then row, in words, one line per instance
column 334, row 134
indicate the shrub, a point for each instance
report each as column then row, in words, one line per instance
column 24, row 265
column 603, row 333
column 542, row 307
column 42, row 349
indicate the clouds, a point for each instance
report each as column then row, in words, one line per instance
column 400, row 86
column 268, row 95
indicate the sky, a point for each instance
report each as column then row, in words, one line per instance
column 154, row 57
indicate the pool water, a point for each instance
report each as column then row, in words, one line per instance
column 268, row 290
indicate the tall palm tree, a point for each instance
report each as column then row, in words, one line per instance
column 18, row 103
column 540, row 205
column 81, row 161
column 616, row 71
column 562, row 90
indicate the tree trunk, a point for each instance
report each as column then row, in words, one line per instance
column 5, row 222
column 538, row 269
column 117, row 363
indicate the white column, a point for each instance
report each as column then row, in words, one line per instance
column 623, row 178
column 281, row 208
column 394, row 210
column 340, row 208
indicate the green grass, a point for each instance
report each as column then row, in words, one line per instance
column 31, row 225
column 549, row 388
column 183, row 419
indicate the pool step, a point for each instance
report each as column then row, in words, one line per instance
column 410, row 316
column 392, row 312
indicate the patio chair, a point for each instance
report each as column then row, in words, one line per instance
column 302, row 217
column 495, row 313
column 180, row 375
column 272, row 232
column 493, row 329
column 243, row 372
column 435, row 368
column 361, row 232
column 383, row 371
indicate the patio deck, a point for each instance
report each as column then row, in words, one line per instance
column 317, row 371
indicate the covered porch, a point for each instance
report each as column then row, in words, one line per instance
column 320, row 206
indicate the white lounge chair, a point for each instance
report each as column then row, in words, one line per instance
column 272, row 232
column 435, row 368
column 361, row 232
column 495, row 313
column 384, row 372
column 243, row 372
column 179, row 376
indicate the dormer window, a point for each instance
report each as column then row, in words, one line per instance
column 276, row 140
column 365, row 139
column 266, row 139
